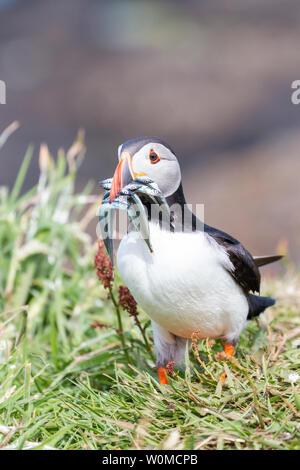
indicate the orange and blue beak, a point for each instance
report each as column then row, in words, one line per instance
column 124, row 174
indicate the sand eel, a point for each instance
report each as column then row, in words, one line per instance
column 188, row 276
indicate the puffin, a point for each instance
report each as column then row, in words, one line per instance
column 195, row 277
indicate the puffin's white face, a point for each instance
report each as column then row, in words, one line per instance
column 153, row 159
column 160, row 164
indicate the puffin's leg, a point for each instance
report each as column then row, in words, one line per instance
column 168, row 348
column 229, row 348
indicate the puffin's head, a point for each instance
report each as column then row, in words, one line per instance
column 147, row 156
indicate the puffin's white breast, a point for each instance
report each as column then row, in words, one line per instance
column 183, row 285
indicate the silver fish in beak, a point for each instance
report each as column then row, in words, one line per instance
column 124, row 192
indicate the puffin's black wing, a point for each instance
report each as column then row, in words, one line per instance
column 246, row 272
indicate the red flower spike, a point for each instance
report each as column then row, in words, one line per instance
column 127, row 301
column 103, row 267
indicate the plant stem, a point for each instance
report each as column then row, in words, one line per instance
column 120, row 325
column 142, row 330
column 27, row 405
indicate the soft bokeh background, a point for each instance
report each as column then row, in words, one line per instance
column 211, row 78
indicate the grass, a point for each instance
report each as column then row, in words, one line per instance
column 68, row 385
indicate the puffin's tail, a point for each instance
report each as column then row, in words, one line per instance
column 262, row 260
column 258, row 304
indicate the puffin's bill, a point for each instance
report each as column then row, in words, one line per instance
column 123, row 175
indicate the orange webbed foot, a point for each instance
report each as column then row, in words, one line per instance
column 223, row 377
column 162, row 375
column 229, row 351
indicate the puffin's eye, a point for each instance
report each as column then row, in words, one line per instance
column 153, row 157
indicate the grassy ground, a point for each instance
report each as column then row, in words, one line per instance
column 69, row 384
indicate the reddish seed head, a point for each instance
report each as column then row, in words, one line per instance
column 127, row 301
column 103, row 267
column 97, row 324
column 170, row 367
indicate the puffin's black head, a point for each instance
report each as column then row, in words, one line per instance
column 148, row 156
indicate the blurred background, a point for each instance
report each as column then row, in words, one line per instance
column 211, row 78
